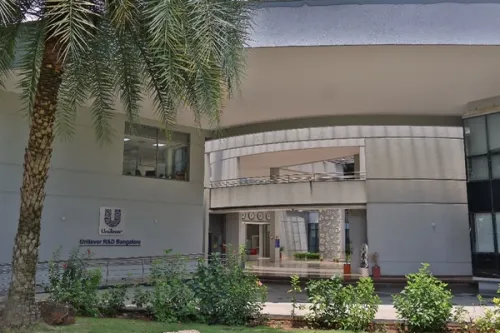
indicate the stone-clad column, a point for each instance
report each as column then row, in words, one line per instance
column 331, row 234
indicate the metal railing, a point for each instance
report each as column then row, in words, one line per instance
column 114, row 271
column 290, row 178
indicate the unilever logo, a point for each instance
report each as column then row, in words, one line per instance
column 112, row 217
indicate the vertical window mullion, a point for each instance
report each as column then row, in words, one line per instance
column 493, row 219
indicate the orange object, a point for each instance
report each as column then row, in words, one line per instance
column 347, row 269
column 376, row 272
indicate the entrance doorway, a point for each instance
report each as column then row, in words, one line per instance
column 257, row 241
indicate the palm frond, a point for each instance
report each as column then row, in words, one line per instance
column 9, row 36
column 129, row 79
column 71, row 24
column 123, row 14
column 72, row 94
column 8, row 12
column 30, row 64
column 217, row 31
column 164, row 96
column 102, row 84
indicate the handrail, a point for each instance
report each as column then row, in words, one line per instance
column 289, row 178
column 114, row 270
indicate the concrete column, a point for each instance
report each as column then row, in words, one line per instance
column 206, row 178
column 261, row 241
column 206, row 219
column 358, row 236
column 206, row 204
column 242, row 232
column 356, row 166
column 274, row 231
column 235, row 231
column 362, row 161
column 332, row 234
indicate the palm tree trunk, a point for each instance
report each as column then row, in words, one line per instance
column 21, row 309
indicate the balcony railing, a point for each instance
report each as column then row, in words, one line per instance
column 291, row 178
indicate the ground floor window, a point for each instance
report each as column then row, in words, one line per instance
column 485, row 240
column 313, row 237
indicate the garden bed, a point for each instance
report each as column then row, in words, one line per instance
column 116, row 325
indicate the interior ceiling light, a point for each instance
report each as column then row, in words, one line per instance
column 158, row 144
column 126, row 139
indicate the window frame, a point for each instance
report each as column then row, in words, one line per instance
column 468, row 159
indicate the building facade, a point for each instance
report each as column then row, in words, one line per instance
column 406, row 195
column 389, row 84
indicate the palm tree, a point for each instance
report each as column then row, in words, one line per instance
column 71, row 53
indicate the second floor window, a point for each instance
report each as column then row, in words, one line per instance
column 149, row 152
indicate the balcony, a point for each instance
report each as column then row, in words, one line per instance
column 293, row 190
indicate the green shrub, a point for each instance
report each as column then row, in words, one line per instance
column 227, row 294
column 142, row 299
column 425, row 303
column 335, row 306
column 172, row 299
column 113, row 300
column 363, row 305
column 490, row 321
column 74, row 283
column 328, row 302
column 294, row 291
column 306, row 256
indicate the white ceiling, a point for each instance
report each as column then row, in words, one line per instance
column 286, row 83
column 301, row 82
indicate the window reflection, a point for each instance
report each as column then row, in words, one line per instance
column 478, row 168
column 475, row 136
column 484, row 233
column 150, row 152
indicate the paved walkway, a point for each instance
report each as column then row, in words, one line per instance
column 279, row 305
column 385, row 312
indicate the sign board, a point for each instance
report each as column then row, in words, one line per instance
column 109, row 242
column 111, row 221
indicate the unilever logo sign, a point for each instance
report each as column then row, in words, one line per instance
column 111, row 221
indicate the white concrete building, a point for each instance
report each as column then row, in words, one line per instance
column 387, row 81
column 408, row 193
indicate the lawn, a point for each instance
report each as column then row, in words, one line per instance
column 91, row 325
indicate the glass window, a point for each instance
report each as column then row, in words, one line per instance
column 497, row 221
column 493, row 132
column 495, row 166
column 484, row 233
column 477, row 168
column 150, row 152
column 475, row 136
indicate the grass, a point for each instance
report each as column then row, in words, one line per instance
column 94, row 325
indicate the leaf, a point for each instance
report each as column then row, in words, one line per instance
column 8, row 41
column 71, row 24
column 30, row 65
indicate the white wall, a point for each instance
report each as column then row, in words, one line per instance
column 289, row 194
column 85, row 176
column 417, row 205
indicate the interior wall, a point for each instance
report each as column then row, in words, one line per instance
column 417, row 205
column 84, row 176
